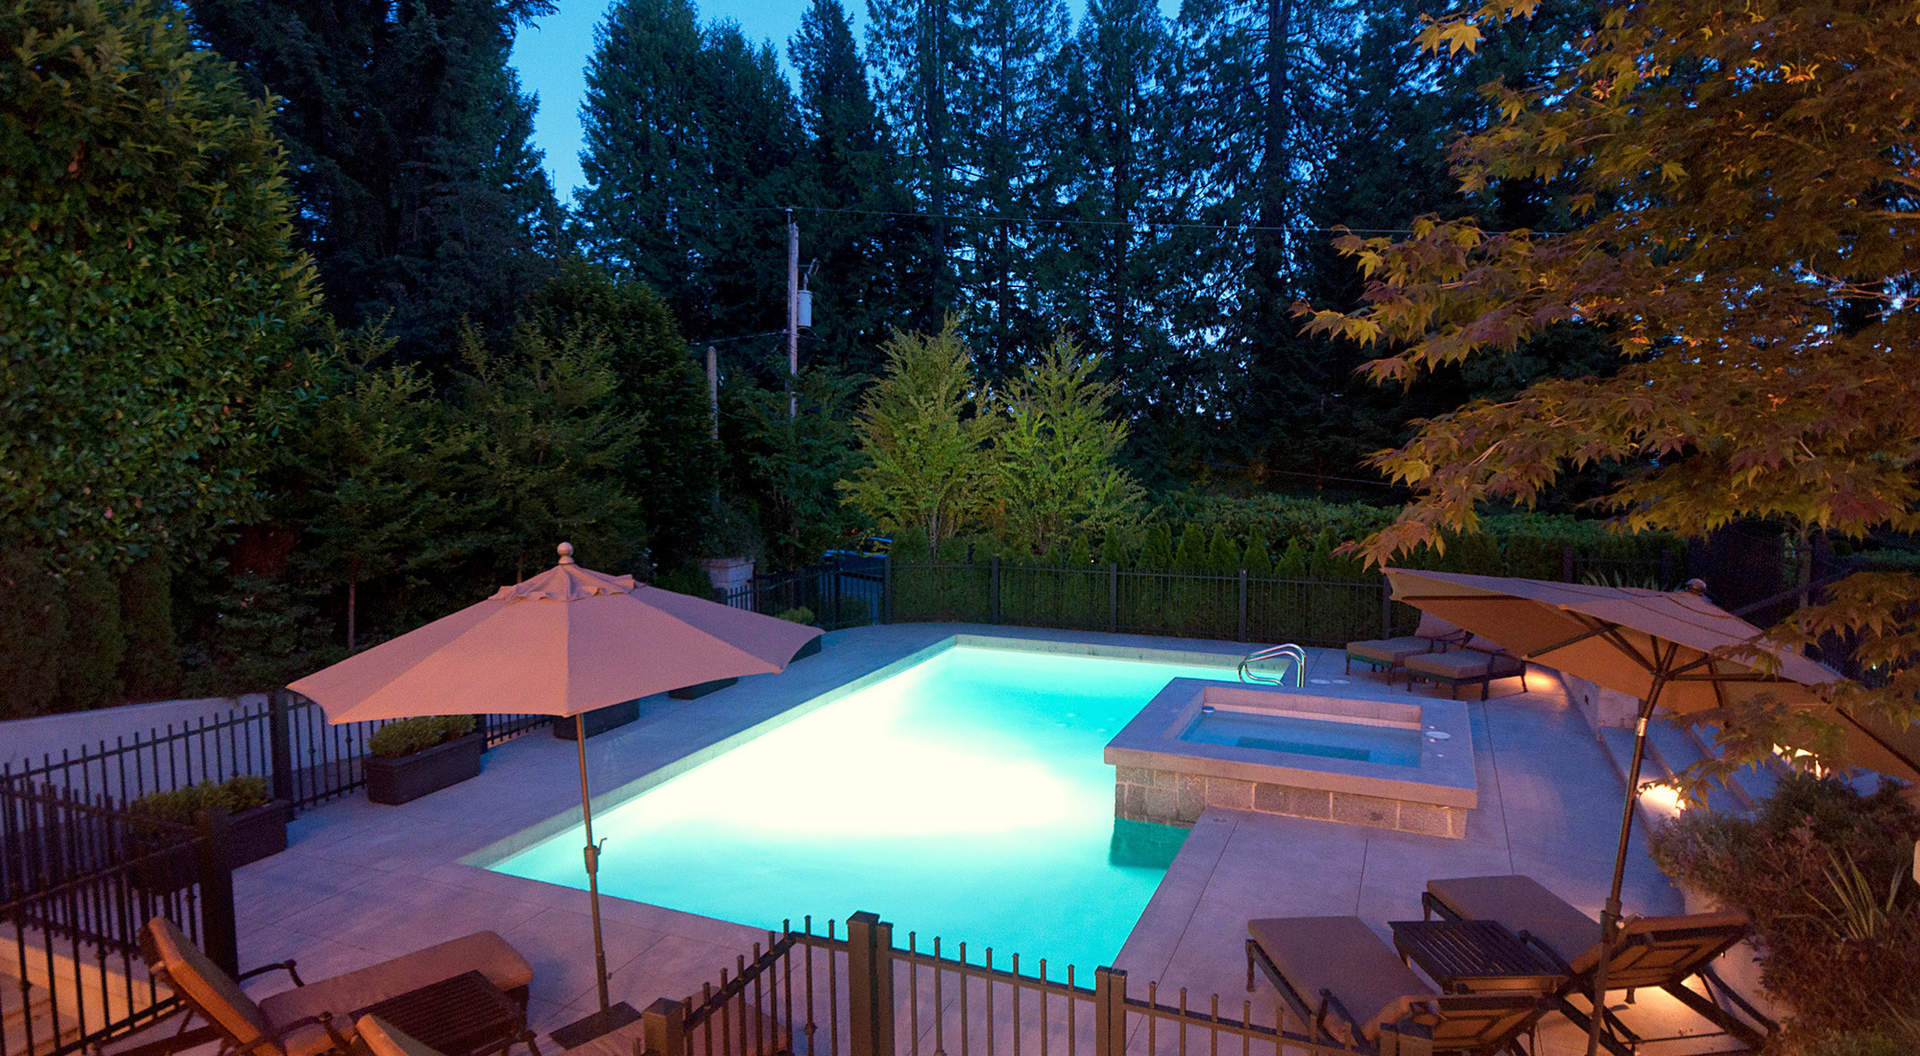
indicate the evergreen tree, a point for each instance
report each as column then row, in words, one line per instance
column 671, row 466
column 1055, row 467
column 691, row 144
column 1223, row 558
column 1005, row 102
column 1258, row 561
column 407, row 134
column 1156, row 554
column 873, row 273
column 1109, row 278
column 915, row 50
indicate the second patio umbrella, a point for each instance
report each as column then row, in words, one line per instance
column 565, row 642
column 1665, row 647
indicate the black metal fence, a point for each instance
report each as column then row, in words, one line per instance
column 284, row 738
column 1240, row 607
column 858, row 994
column 79, row 875
column 848, row 593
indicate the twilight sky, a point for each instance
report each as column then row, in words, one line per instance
column 551, row 56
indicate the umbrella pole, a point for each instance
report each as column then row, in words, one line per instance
column 593, row 863
column 610, row 1017
column 1610, row 913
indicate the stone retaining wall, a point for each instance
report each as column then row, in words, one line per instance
column 1173, row 798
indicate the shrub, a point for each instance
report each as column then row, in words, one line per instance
column 408, row 736
column 797, row 614
column 182, row 805
column 1822, row 870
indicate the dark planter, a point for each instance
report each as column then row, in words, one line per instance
column 599, row 720
column 252, row 834
column 695, row 692
column 808, row 649
column 395, row 781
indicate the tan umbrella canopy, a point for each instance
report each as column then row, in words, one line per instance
column 565, row 642
column 1668, row 648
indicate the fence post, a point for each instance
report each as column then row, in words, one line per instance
column 993, row 589
column 1386, row 607
column 1113, row 597
column 1666, row 569
column 218, row 937
column 833, row 591
column 280, row 735
column 1566, row 564
column 869, row 985
column 1109, row 1011
column 664, row 1027
column 886, row 589
column 1243, row 607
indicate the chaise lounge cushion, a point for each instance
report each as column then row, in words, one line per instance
column 1522, row 904
column 384, row 1039
column 1344, row 956
column 1466, row 665
column 1433, row 633
column 202, row 983
column 342, row 995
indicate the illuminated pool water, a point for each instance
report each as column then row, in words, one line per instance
column 964, row 797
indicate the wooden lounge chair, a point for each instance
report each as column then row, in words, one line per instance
column 316, row 1018
column 1346, row 984
column 1478, row 660
column 1433, row 635
column 1659, row 952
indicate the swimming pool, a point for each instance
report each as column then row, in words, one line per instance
column 964, row 796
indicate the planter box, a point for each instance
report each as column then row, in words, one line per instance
column 695, row 692
column 809, row 649
column 395, row 781
column 599, row 720
column 252, row 834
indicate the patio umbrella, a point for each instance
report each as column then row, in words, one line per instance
column 1659, row 646
column 565, row 642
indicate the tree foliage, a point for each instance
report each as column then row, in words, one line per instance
column 421, row 199
column 922, row 433
column 1746, row 190
column 152, row 297
column 1056, row 476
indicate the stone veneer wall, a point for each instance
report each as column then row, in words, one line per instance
column 1173, row 798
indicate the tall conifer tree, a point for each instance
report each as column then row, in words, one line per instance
column 421, row 200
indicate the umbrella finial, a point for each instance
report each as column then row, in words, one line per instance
column 566, row 553
column 1696, row 586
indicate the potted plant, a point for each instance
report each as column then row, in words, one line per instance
column 599, row 720
column 256, row 827
column 412, row 757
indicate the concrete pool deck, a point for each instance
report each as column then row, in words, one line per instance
column 361, row 882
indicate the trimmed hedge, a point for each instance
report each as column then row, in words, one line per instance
column 408, row 736
column 181, row 805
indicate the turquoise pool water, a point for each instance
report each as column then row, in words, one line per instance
column 963, row 797
column 1390, row 745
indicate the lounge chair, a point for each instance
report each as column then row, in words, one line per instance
column 1477, row 660
column 1346, row 984
column 1433, row 635
column 1659, row 952
column 316, row 1017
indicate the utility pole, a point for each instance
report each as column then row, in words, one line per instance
column 713, row 389
column 793, row 317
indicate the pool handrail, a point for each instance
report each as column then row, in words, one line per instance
column 1288, row 650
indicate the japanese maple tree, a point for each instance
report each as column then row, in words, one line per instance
column 1746, row 179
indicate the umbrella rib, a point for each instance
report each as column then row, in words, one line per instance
column 1862, row 728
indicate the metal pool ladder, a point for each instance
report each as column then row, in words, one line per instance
column 1290, row 651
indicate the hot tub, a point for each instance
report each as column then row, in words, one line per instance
column 1324, row 753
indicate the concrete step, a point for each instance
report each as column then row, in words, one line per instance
column 1656, row 804
column 1680, row 749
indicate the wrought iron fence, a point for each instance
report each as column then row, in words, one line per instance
column 847, row 593
column 1193, row 605
column 284, row 738
column 79, row 876
column 858, row 994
